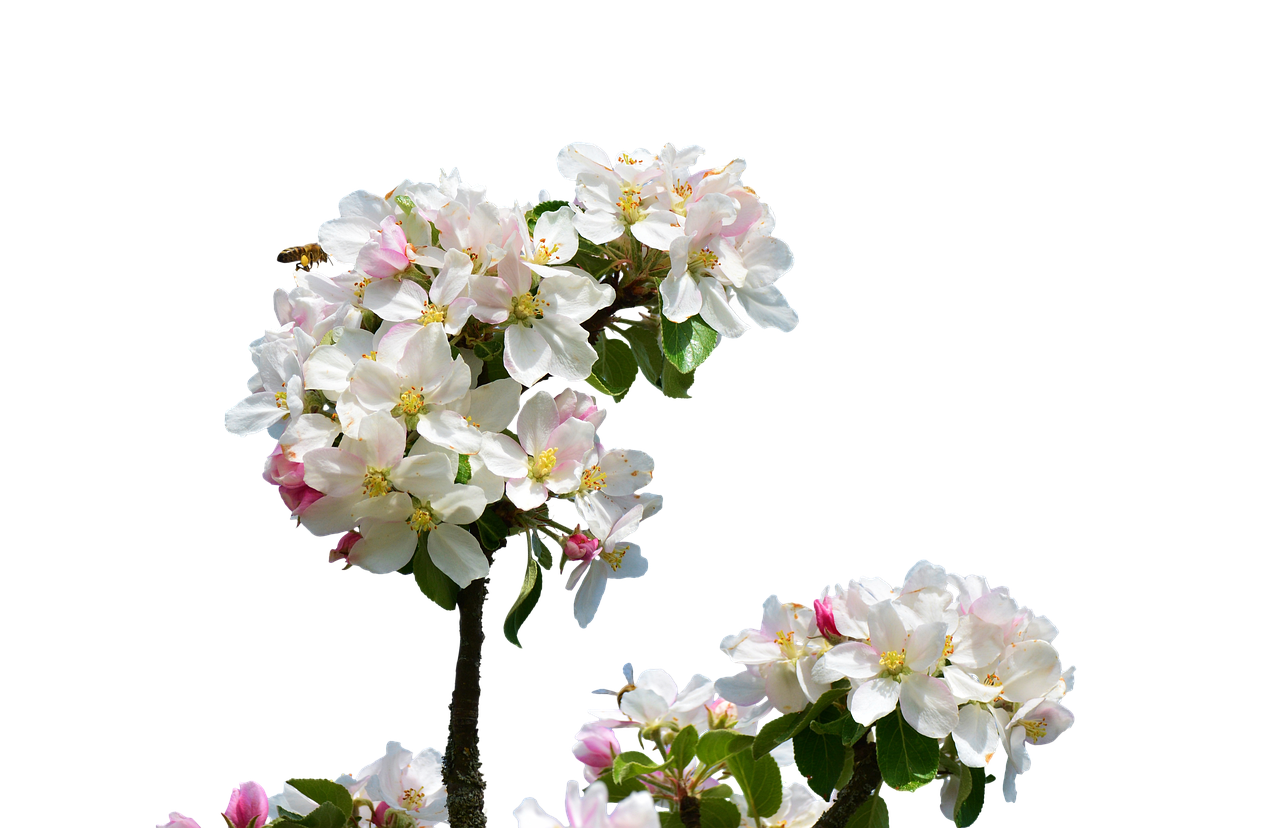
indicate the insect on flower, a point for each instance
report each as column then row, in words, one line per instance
column 305, row 255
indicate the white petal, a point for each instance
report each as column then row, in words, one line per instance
column 459, row 504
column 872, row 700
column 927, row 705
column 383, row 547
column 503, row 456
column 457, row 554
column 976, row 736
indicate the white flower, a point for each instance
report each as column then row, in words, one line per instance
column 413, row 370
column 462, row 425
column 800, row 808
column 655, row 703
column 783, row 652
column 607, row 560
column 544, row 331
column 896, row 664
column 547, row 460
column 613, row 193
column 414, row 784
column 280, row 379
column 399, row 299
column 591, row 810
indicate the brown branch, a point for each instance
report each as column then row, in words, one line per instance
column 860, row 787
column 462, row 777
column 690, row 812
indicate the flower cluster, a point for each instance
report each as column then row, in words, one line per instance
column 398, row 790
column 957, row 671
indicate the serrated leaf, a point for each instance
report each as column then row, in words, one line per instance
column 775, row 733
column 969, row 805
column 719, row 813
column 615, row 368
column 871, row 814
column 434, row 584
column 324, row 790
column 530, row 591
column 464, row 469
column 683, row 748
column 327, row 815
column 907, row 759
column 819, row 757
column 687, row 344
column 760, row 781
column 675, row 384
column 717, row 745
column 647, row 353
column 718, row 792
column 630, row 764
column 541, row 551
column 493, row 530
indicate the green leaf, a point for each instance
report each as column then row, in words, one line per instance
column 327, row 815
column 669, row 819
column 811, row 713
column 434, row 584
column 647, row 353
column 687, row 344
column 775, row 733
column 820, row 757
column 541, row 551
column 719, row 813
column 531, row 217
column 846, row 771
column 907, row 759
column 630, row 764
column 675, row 384
column 717, row 745
column 683, row 748
column 491, row 349
column 615, row 368
column 620, row 791
column 493, row 530
column 845, row 727
column 323, row 790
column 969, row 803
column 871, row 814
column 760, row 780
column 718, row 792
column 530, row 591
column 464, row 469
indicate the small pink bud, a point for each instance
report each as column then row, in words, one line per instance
column 578, row 547
column 248, row 805
column 298, row 498
column 596, row 749
column 340, row 552
column 177, row 820
column 826, row 618
column 721, row 714
column 380, row 813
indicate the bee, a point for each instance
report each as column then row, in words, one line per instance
column 305, row 256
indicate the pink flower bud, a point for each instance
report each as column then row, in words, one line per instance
column 380, row 813
column 248, row 805
column 596, row 749
column 288, row 475
column 340, row 552
column 825, row 618
column 578, row 547
column 177, row 820
column 571, row 403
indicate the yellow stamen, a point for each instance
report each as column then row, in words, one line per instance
column 703, row 260
column 282, row 400
column 542, row 254
column 1035, row 729
column 614, row 558
column 992, row 680
column 376, row 483
column 543, row 464
column 948, row 649
column 411, row 401
column 893, row 661
column 422, row 519
column 629, row 204
column 526, row 307
column 432, row 313
column 787, row 643
column 413, row 797
column 593, row 479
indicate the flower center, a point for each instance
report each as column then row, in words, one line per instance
column 949, row 649
column 282, row 401
column 614, row 558
column 703, row 260
column 787, row 643
column 593, row 479
column 893, row 661
column 376, row 483
column 411, row 401
column 542, row 254
column 359, row 287
column 432, row 313
column 526, row 307
column 413, row 797
column 423, row 519
column 1035, row 729
column 629, row 204
column 992, row 680
column 542, row 465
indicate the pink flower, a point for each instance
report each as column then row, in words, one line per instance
column 248, row 807
column 391, row 254
column 340, row 552
column 825, row 619
column 578, row 547
column 177, row 820
column 596, row 748
column 288, row 475
column 571, row 403
column 721, row 713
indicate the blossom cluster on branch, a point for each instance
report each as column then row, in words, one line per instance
column 393, row 387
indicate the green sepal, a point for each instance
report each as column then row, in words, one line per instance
column 434, row 584
column 530, row 591
column 464, row 469
column 718, row 745
column 907, row 759
column 687, row 344
column 760, row 780
column 405, row 203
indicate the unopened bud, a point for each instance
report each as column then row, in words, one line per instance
column 578, row 547
column 340, row 552
column 825, row 618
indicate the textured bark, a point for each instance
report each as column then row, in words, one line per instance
column 861, row 787
column 462, row 777
column 690, row 812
